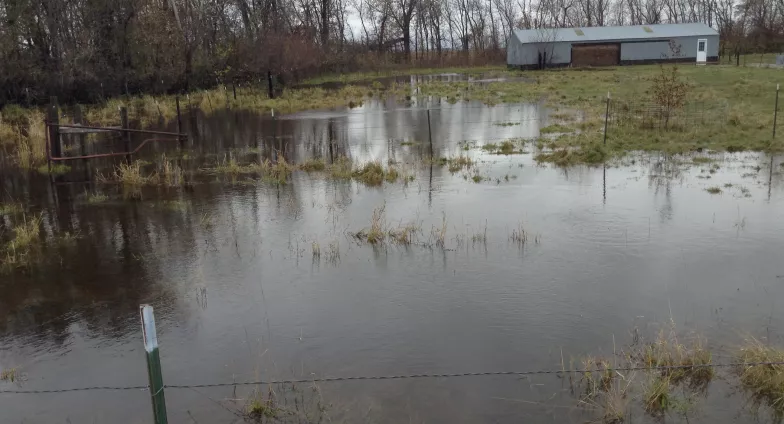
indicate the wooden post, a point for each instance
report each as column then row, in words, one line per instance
column 54, row 130
column 429, row 133
column 126, row 135
column 78, row 119
column 776, row 111
column 154, row 371
column 606, row 117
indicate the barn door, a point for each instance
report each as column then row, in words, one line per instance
column 702, row 50
column 608, row 54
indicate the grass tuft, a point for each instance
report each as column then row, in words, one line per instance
column 555, row 129
column 376, row 233
column 57, row 169
column 714, row 190
column 8, row 375
column 566, row 156
column 763, row 383
column 372, row 174
column 10, row 208
column 313, row 164
column 341, row 169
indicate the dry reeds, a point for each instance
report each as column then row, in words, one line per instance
column 763, row 383
column 171, row 174
column 313, row 164
column 372, row 174
column 438, row 234
column 404, row 235
column 8, row 375
column 376, row 233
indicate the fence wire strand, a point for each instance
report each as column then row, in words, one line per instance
column 395, row 377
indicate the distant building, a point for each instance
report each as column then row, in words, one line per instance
column 608, row 46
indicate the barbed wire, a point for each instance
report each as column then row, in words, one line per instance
column 399, row 377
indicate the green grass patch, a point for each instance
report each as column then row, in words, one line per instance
column 566, row 156
column 10, row 208
column 555, row 128
column 313, row 164
column 714, row 190
column 57, row 169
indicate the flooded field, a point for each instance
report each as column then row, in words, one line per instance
column 503, row 264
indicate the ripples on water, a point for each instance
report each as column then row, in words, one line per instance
column 238, row 293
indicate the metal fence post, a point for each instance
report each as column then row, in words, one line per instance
column 179, row 120
column 54, row 129
column 78, row 119
column 126, row 135
column 606, row 118
column 154, row 370
column 429, row 133
column 776, row 111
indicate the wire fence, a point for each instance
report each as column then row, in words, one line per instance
column 559, row 372
column 658, row 117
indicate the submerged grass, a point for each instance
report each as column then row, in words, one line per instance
column 764, row 384
column 376, row 234
column 95, row 197
column 8, row 375
column 567, row 156
column 665, row 375
column 556, row 128
column 742, row 96
column 11, row 208
column 20, row 251
column 313, row 164
column 56, row 169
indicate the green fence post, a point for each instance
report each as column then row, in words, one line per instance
column 153, row 364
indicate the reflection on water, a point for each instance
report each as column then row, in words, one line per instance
column 239, row 294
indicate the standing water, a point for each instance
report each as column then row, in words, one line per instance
column 511, row 266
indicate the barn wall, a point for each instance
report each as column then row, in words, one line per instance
column 689, row 45
column 525, row 54
column 655, row 50
column 647, row 50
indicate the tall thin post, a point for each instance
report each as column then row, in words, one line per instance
column 776, row 111
column 271, row 91
column 54, row 129
column 154, row 370
column 274, row 135
column 234, row 89
column 179, row 120
column 330, row 139
column 126, row 135
column 606, row 118
column 429, row 133
column 79, row 120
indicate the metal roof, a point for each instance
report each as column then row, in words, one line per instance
column 633, row 32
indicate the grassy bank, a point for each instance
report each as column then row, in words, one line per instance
column 367, row 76
column 669, row 375
column 738, row 100
column 742, row 97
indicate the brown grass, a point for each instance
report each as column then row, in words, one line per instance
column 763, row 383
column 376, row 233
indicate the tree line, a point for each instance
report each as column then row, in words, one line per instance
column 86, row 50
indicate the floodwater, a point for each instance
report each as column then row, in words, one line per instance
column 239, row 294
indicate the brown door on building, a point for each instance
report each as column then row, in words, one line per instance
column 596, row 54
